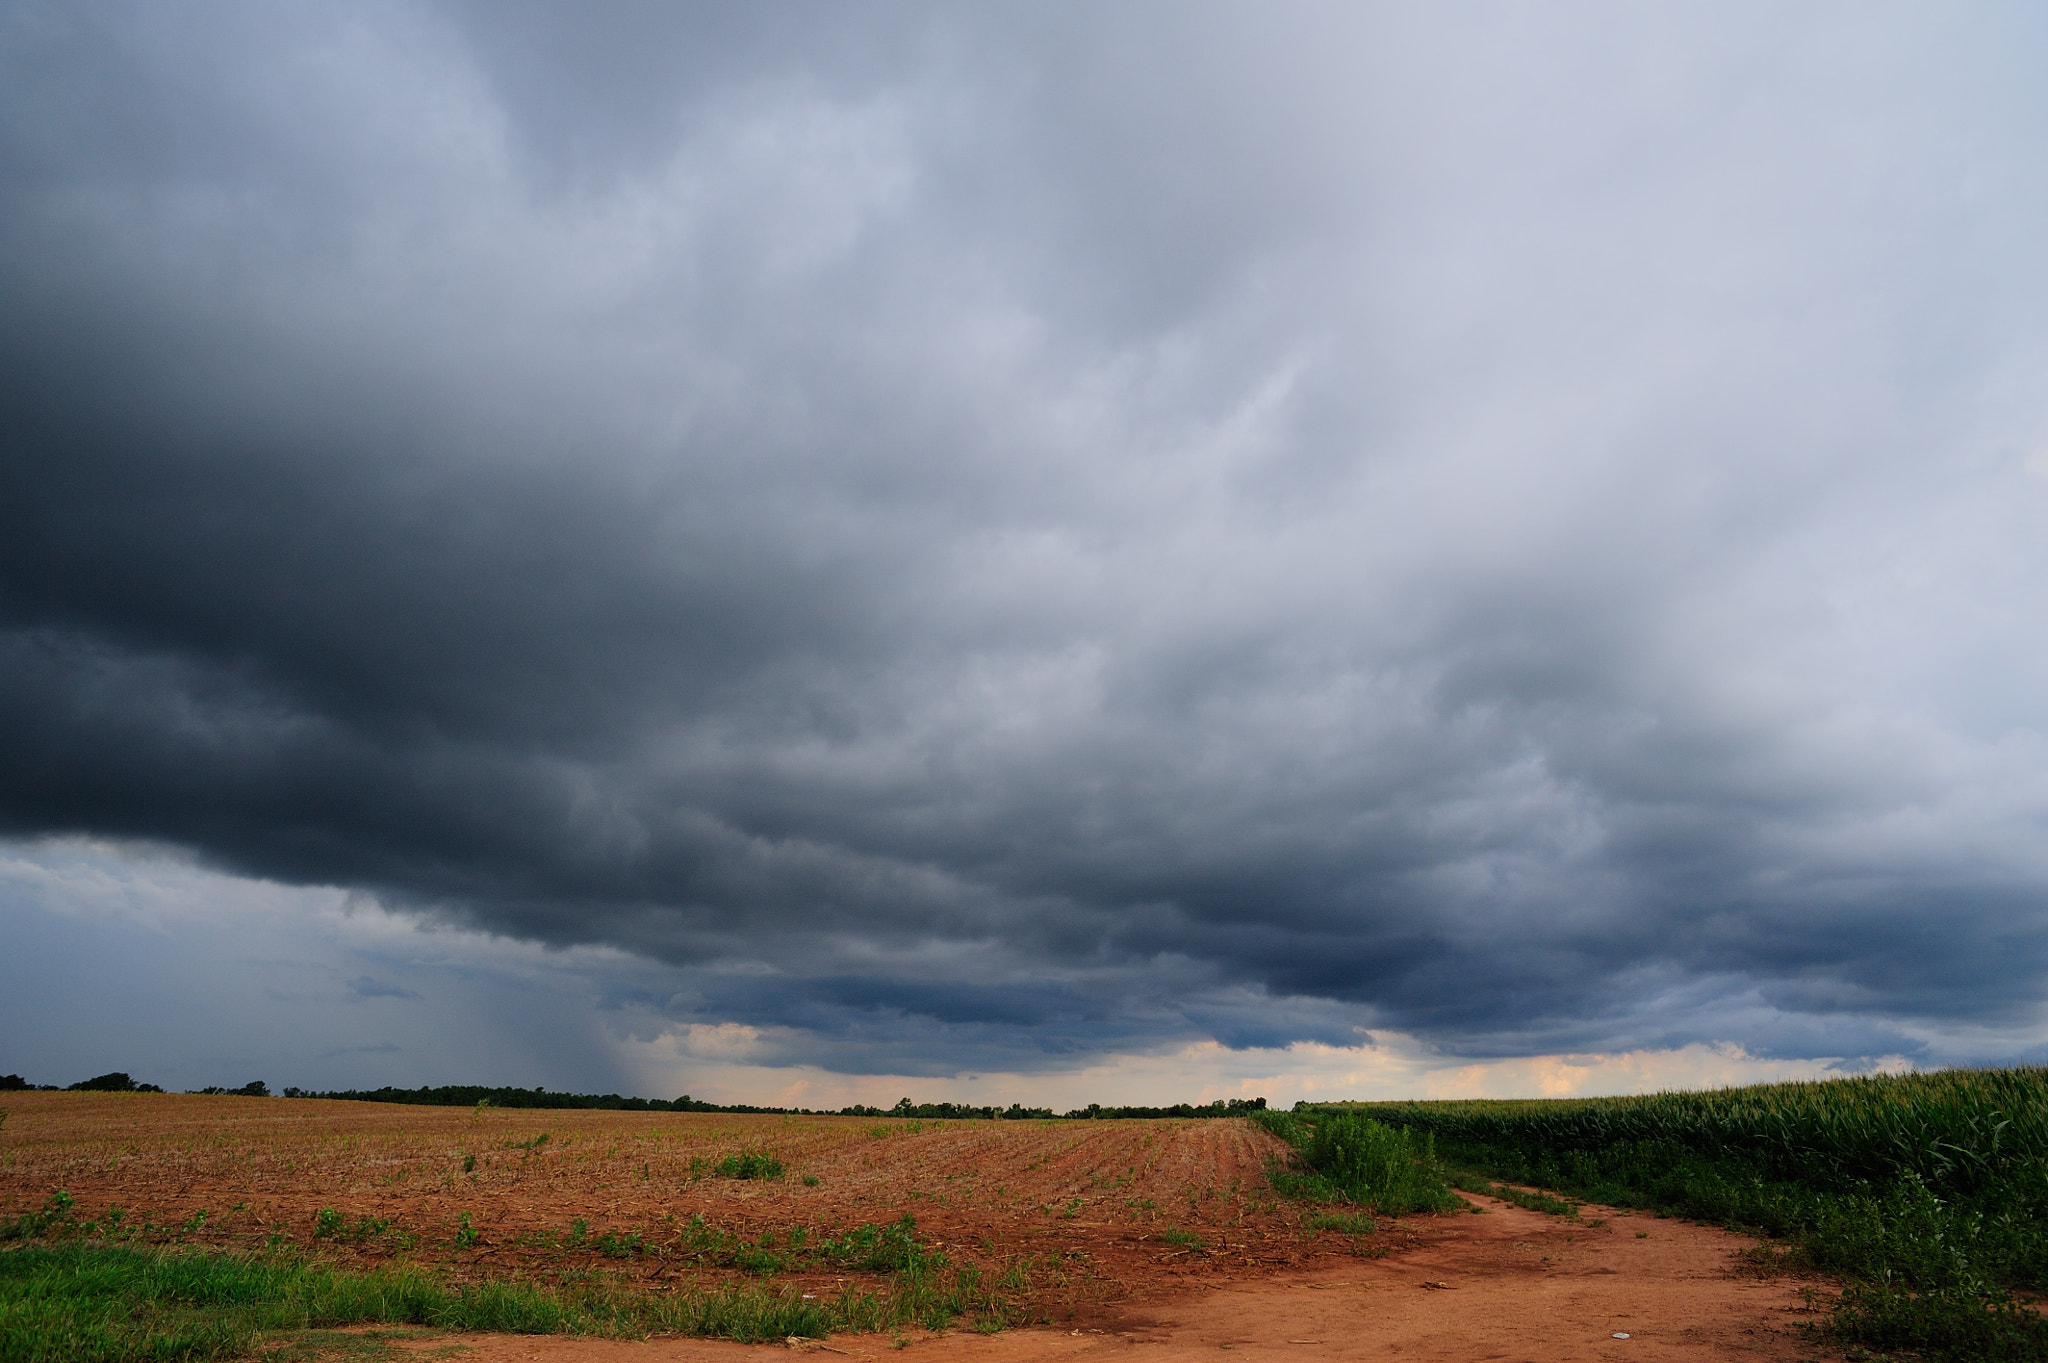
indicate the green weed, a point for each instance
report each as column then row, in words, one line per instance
column 749, row 1164
column 1352, row 1158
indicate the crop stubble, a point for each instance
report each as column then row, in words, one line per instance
column 1082, row 1206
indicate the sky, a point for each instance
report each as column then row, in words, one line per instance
column 810, row 553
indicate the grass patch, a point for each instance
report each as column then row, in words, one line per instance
column 88, row 1301
column 1532, row 1201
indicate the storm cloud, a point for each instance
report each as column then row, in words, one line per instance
column 971, row 539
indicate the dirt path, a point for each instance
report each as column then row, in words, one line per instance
column 1510, row 1286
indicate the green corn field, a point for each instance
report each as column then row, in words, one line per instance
column 1956, row 1129
column 1926, row 1193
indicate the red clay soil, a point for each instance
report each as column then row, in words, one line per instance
column 1087, row 1205
column 1098, row 1195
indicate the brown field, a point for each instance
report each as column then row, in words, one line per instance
column 1089, row 1220
column 1099, row 1195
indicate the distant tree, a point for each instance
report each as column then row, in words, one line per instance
column 116, row 1082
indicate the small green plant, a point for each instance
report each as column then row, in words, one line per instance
column 811, row 1180
column 468, row 1163
column 56, row 1218
column 1355, row 1223
column 1174, row 1235
column 328, row 1222
column 614, row 1245
column 465, row 1234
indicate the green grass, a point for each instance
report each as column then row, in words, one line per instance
column 90, row 1300
column 1928, row 1193
column 86, row 1303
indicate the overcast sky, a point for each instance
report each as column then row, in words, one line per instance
column 1074, row 551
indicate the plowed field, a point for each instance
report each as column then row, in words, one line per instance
column 1152, row 1232
column 1094, row 1207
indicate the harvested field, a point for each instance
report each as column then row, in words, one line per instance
column 1086, row 1208
column 1161, row 1231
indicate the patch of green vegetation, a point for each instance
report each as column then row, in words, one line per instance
column 1352, row 1158
column 94, row 1302
column 329, row 1224
column 615, row 1245
column 1356, row 1223
column 1174, row 1235
column 347, row 1346
column 85, row 1303
column 749, row 1164
column 1539, row 1201
column 1928, row 1192
column 58, row 1219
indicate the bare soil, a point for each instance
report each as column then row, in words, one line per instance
column 1102, row 1212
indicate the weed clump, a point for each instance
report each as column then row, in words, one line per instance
column 1351, row 1158
column 749, row 1164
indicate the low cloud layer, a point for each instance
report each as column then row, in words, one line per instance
column 971, row 542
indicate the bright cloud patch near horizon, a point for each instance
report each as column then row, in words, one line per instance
column 1036, row 542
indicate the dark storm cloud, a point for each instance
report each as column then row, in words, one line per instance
column 985, row 539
